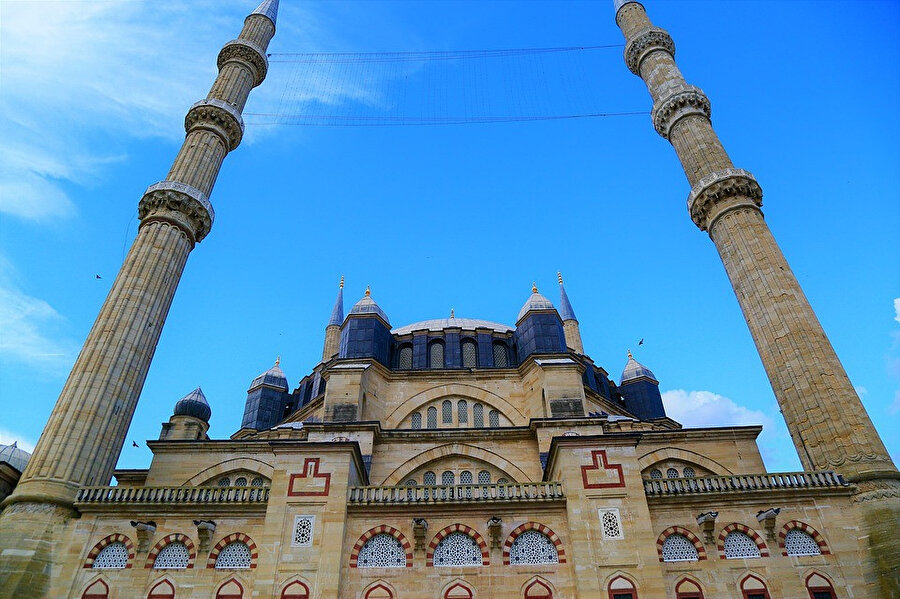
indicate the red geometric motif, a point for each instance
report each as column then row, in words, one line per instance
column 309, row 478
column 600, row 464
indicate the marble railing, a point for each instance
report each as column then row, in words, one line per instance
column 742, row 483
column 92, row 496
column 503, row 492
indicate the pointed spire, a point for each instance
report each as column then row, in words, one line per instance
column 635, row 370
column 277, row 361
column 565, row 307
column 267, row 8
column 337, row 313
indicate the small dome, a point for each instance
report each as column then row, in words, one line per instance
column 273, row 377
column 15, row 457
column 535, row 302
column 635, row 370
column 193, row 404
column 368, row 306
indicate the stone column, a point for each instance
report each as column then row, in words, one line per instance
column 83, row 437
column 827, row 421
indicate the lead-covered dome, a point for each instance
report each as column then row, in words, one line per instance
column 635, row 370
column 273, row 377
column 368, row 306
column 439, row 324
column 536, row 301
column 193, row 404
column 15, row 457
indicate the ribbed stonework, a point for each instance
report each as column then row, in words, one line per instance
column 86, row 430
column 828, row 424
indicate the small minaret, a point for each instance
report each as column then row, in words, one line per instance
column 333, row 328
column 367, row 332
column 570, row 323
column 640, row 389
column 539, row 329
column 190, row 418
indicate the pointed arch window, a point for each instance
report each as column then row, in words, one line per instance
column 501, row 355
column 819, row 587
column 469, row 354
column 462, row 411
column 678, row 548
column 754, row 588
column 382, row 551
column 478, row 415
column 234, row 556
column 622, row 588
column 174, row 556
column 295, row 590
column 447, row 412
column 533, row 547
column 432, row 417
column 162, row 589
column 799, row 543
column 436, row 354
column 232, row 589
column 458, row 549
column 740, row 545
column 405, row 357
column 97, row 590
column 417, row 420
column 112, row 557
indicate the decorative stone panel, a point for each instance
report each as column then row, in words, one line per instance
column 485, row 554
column 601, row 474
column 310, row 482
column 383, row 529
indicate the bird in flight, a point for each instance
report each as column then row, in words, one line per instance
column 133, row 444
column 97, row 277
column 641, row 342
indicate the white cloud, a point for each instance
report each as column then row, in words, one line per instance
column 897, row 309
column 7, row 437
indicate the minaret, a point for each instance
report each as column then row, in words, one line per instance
column 333, row 328
column 570, row 323
column 86, row 430
column 828, row 424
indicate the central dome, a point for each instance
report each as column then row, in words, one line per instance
column 439, row 324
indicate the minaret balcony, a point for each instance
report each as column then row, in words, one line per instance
column 419, row 495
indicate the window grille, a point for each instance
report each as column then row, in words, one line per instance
column 533, row 547
column 417, row 420
column 611, row 524
column 671, row 473
column 432, row 417
column 303, row 531
column 240, row 482
column 234, row 556
column 436, row 355
column 462, row 411
column 257, row 482
column 430, row 478
column 501, row 491
column 478, row 415
column 411, row 483
column 739, row 545
column 113, row 556
column 494, row 419
column 458, row 549
column 465, row 477
column 484, row 477
column 404, row 361
column 447, row 412
column 689, row 472
column 797, row 542
column 655, row 474
column 678, row 548
column 501, row 356
column 447, row 478
column 469, row 354
column 174, row 556
column 224, row 482
column 382, row 551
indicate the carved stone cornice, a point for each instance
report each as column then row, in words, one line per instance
column 682, row 101
column 645, row 42
column 720, row 192
column 219, row 117
column 181, row 205
column 248, row 53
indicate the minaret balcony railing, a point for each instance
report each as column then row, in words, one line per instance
column 456, row 494
column 744, row 483
column 102, row 498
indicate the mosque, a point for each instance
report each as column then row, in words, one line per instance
column 454, row 458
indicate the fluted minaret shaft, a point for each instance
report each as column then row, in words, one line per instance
column 828, row 424
column 85, row 433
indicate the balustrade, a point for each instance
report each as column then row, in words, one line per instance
column 503, row 492
column 742, row 483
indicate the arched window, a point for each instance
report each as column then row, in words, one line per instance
column 382, row 551
column 533, row 547
column 740, row 545
column 174, row 556
column 234, row 556
column 798, row 543
column 688, row 589
column 655, row 474
column 430, row 478
column 458, row 590
column 411, row 483
column 469, row 354
column 432, row 417
column 232, row 589
column 538, row 590
column 501, row 355
column 447, row 478
column 679, row 548
column 97, row 590
column 622, row 588
column 689, row 472
column 484, row 477
column 458, row 549
column 754, row 588
column 494, row 419
column 295, row 590
column 224, row 482
column 462, row 411
column 379, row 591
column 465, row 477
column 819, row 587
column 112, row 557
column 257, row 482
column 404, row 359
column 671, row 473
column 240, row 482
column 162, row 590
column 436, row 354
column 417, row 419
column 478, row 415
column 447, row 412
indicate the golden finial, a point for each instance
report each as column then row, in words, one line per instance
column 559, row 276
column 341, row 286
column 629, row 355
column 451, row 313
column 534, row 288
column 368, row 291
column 277, row 360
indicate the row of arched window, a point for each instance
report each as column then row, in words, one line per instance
column 448, row 477
column 468, row 354
column 688, row 472
column 174, row 552
column 165, row 589
column 736, row 541
column 462, row 416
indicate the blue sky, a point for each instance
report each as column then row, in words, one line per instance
column 93, row 94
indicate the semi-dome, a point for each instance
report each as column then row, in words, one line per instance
column 439, row 324
column 635, row 370
column 193, row 404
column 15, row 457
column 368, row 306
column 536, row 301
column 273, row 377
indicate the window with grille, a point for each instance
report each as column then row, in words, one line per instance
column 484, row 477
column 798, row 542
column 465, row 477
column 257, row 482
column 611, row 524
column 478, row 415
column 224, row 482
column 533, row 547
column 494, row 419
column 679, row 548
column 671, row 473
column 447, row 412
column 113, row 556
column 739, row 545
column 234, row 556
column 501, row 356
column 436, row 355
column 458, row 549
column 417, row 420
column 303, row 531
column 430, row 478
column 655, row 474
column 432, row 417
column 382, row 551
column 240, row 482
column 404, row 361
column 447, row 478
column 174, row 556
column 689, row 472
column 501, row 491
column 411, row 483
column 462, row 411
column 469, row 354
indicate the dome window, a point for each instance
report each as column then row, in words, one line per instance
column 436, row 354
column 405, row 358
column 501, row 355
column 469, row 354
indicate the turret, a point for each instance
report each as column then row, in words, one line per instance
column 268, row 400
column 641, row 391
column 570, row 323
column 190, row 418
column 366, row 333
column 333, row 328
column 539, row 329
